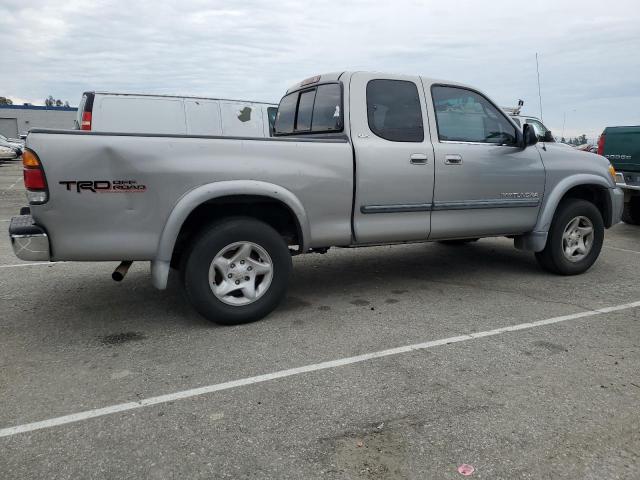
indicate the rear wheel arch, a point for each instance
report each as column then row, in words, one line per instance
column 273, row 212
column 231, row 198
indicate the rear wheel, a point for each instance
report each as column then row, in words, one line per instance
column 237, row 271
column 631, row 213
column 575, row 238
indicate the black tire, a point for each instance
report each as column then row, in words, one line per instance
column 460, row 241
column 205, row 248
column 552, row 258
column 631, row 213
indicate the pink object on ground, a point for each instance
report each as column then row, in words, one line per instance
column 466, row 470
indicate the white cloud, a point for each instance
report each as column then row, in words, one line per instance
column 256, row 49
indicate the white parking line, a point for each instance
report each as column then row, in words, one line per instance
column 621, row 249
column 14, row 183
column 28, row 264
column 171, row 397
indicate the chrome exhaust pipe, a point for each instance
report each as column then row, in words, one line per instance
column 121, row 270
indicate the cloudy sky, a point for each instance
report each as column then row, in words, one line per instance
column 588, row 50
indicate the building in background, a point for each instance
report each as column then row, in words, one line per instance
column 19, row 119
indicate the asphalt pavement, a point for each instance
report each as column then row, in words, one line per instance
column 383, row 363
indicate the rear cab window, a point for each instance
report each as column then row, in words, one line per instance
column 310, row 110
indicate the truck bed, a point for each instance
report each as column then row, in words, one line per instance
column 110, row 198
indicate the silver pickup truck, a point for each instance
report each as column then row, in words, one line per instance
column 357, row 159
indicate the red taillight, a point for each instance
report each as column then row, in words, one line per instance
column 86, row 121
column 34, row 179
column 601, row 141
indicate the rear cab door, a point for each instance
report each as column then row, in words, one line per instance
column 394, row 158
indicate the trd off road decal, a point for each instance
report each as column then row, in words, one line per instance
column 104, row 186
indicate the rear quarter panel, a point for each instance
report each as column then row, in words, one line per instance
column 127, row 226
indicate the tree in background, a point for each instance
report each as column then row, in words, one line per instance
column 5, row 101
column 52, row 102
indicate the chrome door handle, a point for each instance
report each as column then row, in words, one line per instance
column 453, row 159
column 418, row 158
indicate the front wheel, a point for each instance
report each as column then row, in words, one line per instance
column 237, row 271
column 575, row 238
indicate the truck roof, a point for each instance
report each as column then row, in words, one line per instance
column 336, row 76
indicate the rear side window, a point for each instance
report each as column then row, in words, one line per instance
column 316, row 110
column 286, row 115
column 305, row 110
column 393, row 110
column 326, row 110
column 465, row 116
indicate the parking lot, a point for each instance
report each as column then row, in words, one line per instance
column 385, row 362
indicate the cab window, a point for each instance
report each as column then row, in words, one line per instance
column 465, row 116
column 393, row 110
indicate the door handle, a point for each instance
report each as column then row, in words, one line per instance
column 453, row 159
column 418, row 158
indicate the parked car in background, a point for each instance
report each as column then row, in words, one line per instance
column 621, row 145
column 15, row 147
column 587, row 147
column 174, row 115
column 357, row 159
column 14, row 143
column 7, row 153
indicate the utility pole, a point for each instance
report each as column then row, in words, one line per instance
column 539, row 92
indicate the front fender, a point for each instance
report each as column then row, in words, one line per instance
column 199, row 195
column 536, row 240
column 553, row 198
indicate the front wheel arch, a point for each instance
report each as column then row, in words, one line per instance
column 593, row 188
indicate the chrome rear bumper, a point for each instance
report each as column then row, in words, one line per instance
column 29, row 241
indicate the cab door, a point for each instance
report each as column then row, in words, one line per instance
column 485, row 183
column 394, row 158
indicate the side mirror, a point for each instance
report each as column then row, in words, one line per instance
column 548, row 137
column 529, row 135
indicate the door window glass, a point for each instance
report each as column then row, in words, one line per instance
column 393, row 110
column 465, row 116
